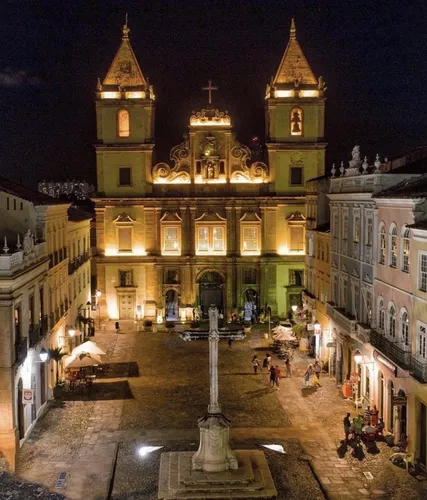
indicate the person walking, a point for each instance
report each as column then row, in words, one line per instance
column 347, row 426
column 288, row 367
column 367, row 415
column 255, row 364
column 277, row 374
column 374, row 416
column 230, row 343
column 272, row 375
column 358, row 426
column 265, row 362
column 317, row 368
column 307, row 375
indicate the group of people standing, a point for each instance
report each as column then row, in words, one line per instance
column 367, row 423
column 312, row 374
column 273, row 371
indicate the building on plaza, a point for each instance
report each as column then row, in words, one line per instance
column 212, row 225
column 317, row 268
column 36, row 304
column 81, row 190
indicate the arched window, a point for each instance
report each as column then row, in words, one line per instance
column 123, row 123
column 381, row 320
column 404, row 326
column 296, row 121
column 393, row 246
column 381, row 244
column 392, row 321
column 405, row 249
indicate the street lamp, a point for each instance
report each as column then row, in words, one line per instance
column 294, row 308
column 71, row 331
column 357, row 356
column 43, row 355
column 317, row 327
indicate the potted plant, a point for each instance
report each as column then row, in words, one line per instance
column 389, row 438
column 147, row 325
column 57, row 355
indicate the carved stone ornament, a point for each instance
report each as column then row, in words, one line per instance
column 163, row 173
column 240, row 171
column 210, row 117
column 209, row 146
column 124, row 218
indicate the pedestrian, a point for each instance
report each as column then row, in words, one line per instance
column 367, row 415
column 230, row 343
column 347, row 426
column 272, row 376
column 314, row 380
column 288, row 367
column 255, row 364
column 358, row 426
column 374, row 416
column 307, row 375
column 317, row 368
column 352, row 429
column 277, row 379
column 265, row 362
column 380, row 427
column 268, row 361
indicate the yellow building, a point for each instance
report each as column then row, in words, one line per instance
column 211, row 226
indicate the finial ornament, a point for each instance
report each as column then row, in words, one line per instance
column 365, row 165
column 333, row 170
column 99, row 85
column 377, row 163
column 293, row 29
column 342, row 169
column 125, row 27
column 18, row 243
column 5, row 248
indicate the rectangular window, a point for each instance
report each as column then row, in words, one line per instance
column 344, row 294
column 345, row 227
column 250, row 276
column 170, row 243
column 296, row 176
column 297, row 238
column 357, row 229
column 335, row 226
column 422, row 341
column 296, row 277
column 250, row 239
column 423, row 273
column 18, row 325
column 356, row 301
column 218, row 239
column 7, row 203
column 405, row 266
column 382, row 248
column 125, row 176
column 203, row 242
column 369, row 231
column 31, row 318
column 393, row 255
column 124, row 235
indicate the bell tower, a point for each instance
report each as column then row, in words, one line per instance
column 295, row 122
column 125, row 126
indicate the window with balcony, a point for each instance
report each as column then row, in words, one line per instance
column 345, row 226
column 422, row 340
column 356, row 232
column 18, row 323
column 422, row 276
column 381, row 315
column 406, row 245
column 393, row 246
column 344, row 293
column 369, row 231
column 392, row 321
column 404, row 327
column 335, row 291
column 382, row 244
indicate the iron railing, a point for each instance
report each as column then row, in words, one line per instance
column 418, row 370
column 21, row 349
column 34, row 335
column 392, row 350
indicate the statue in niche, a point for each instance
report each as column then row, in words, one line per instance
column 295, row 121
column 28, row 242
column 210, row 172
column 128, row 278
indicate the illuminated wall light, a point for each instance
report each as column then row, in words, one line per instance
column 309, row 93
column 159, row 318
column 200, row 180
column 284, row 93
column 205, row 123
column 174, row 181
column 112, row 310
column 114, row 253
column 110, row 95
column 135, row 95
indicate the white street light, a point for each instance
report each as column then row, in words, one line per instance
column 43, row 355
column 294, row 308
column 71, row 331
column 357, row 356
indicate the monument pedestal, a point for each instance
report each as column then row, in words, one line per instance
column 214, row 453
column 252, row 478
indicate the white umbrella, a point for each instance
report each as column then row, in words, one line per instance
column 89, row 347
column 82, row 360
column 283, row 336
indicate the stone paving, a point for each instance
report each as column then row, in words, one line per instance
column 256, row 411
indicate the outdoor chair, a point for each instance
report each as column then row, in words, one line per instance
column 358, row 403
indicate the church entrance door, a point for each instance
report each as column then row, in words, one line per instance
column 211, row 292
column 171, row 305
column 126, row 306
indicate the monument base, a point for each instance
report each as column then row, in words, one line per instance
column 178, row 480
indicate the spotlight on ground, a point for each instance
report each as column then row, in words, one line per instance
column 275, row 447
column 145, row 450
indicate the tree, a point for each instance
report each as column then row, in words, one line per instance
column 299, row 330
column 56, row 355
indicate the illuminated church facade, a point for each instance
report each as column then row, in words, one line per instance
column 212, row 225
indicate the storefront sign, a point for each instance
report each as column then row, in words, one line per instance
column 388, row 364
column 331, row 344
column 310, row 326
column 399, row 400
column 27, row 396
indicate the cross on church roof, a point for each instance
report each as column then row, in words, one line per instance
column 209, row 88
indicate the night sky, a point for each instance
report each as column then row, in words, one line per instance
column 372, row 55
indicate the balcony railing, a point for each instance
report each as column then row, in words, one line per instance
column 363, row 332
column 34, row 335
column 392, row 350
column 21, row 349
column 340, row 316
column 44, row 326
column 78, row 261
column 51, row 320
column 418, row 370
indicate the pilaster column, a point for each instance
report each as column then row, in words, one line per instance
column 192, row 232
column 213, row 370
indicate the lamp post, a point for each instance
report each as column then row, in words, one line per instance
column 89, row 306
column 43, row 355
column 317, row 330
column 98, row 296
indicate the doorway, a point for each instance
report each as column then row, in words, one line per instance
column 171, row 305
column 20, row 405
column 381, row 394
column 423, row 435
column 250, row 304
column 211, row 291
column 126, row 306
column 390, row 397
column 42, row 384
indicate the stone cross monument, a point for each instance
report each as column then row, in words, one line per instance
column 214, row 453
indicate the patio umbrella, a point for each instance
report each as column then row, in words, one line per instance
column 82, row 360
column 283, row 336
column 89, row 347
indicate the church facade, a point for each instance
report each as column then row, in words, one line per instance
column 212, row 225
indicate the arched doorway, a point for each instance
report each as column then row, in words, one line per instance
column 42, row 384
column 380, row 394
column 211, row 291
column 171, row 305
column 251, row 304
column 20, row 408
column 33, row 406
column 390, row 395
column 402, row 414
